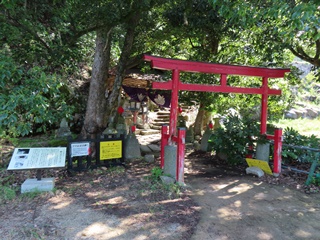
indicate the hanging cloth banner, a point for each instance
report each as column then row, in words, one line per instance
column 137, row 94
column 160, row 97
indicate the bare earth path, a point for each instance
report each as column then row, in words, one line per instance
column 221, row 203
column 235, row 207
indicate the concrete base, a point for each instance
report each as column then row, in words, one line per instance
column 34, row 185
column 170, row 161
column 263, row 152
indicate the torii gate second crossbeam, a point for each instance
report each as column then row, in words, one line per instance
column 175, row 85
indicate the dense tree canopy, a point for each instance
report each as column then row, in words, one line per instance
column 56, row 38
column 291, row 24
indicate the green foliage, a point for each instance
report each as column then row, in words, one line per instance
column 292, row 155
column 316, row 180
column 156, row 173
column 31, row 101
column 173, row 190
column 308, row 90
column 6, row 194
column 275, row 25
column 31, row 195
column 232, row 139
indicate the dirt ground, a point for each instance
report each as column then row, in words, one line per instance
column 218, row 202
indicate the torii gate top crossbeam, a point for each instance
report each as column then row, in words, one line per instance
column 214, row 68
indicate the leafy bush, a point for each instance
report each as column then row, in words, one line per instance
column 233, row 140
column 294, row 138
column 156, row 173
column 31, row 101
column 6, row 194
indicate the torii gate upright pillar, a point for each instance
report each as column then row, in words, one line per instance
column 174, row 103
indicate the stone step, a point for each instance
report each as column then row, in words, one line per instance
column 154, row 127
column 165, row 113
column 160, row 123
column 149, row 132
column 162, row 118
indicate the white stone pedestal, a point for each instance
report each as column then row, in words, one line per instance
column 33, row 185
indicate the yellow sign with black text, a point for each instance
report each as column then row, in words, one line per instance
column 263, row 165
column 110, row 150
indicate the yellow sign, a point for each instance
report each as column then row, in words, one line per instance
column 110, row 150
column 264, row 166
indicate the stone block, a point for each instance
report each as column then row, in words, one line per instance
column 145, row 149
column 154, row 147
column 255, row 171
column 204, row 140
column 34, row 185
column 132, row 147
column 170, row 161
column 149, row 158
column 167, row 180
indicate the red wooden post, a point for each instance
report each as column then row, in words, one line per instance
column 264, row 105
column 174, row 104
column 164, row 142
column 180, row 154
column 277, row 151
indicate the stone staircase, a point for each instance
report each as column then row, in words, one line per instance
column 157, row 119
column 162, row 118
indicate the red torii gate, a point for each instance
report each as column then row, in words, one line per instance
column 175, row 85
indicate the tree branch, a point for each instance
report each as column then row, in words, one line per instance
column 24, row 28
column 300, row 53
column 316, row 56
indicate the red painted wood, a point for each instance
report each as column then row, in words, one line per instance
column 277, row 151
column 202, row 67
column 264, row 106
column 174, row 103
column 223, row 80
column 164, row 142
column 180, row 155
column 213, row 88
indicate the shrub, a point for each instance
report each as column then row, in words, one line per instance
column 31, row 101
column 292, row 155
column 233, row 139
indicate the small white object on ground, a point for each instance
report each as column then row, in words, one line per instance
column 255, row 171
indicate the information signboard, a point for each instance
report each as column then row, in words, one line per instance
column 110, row 150
column 80, row 149
column 37, row 158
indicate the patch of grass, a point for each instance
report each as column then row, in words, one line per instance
column 303, row 126
column 32, row 233
column 116, row 170
column 7, row 194
column 30, row 195
column 155, row 185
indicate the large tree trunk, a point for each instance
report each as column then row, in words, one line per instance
column 113, row 99
column 101, row 106
column 96, row 106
